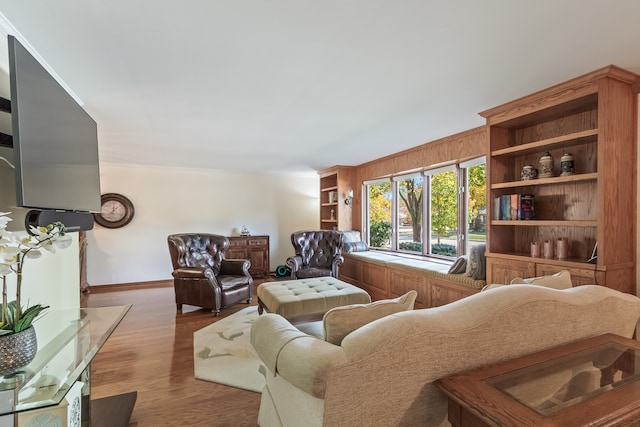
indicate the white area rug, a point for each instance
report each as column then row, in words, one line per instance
column 223, row 353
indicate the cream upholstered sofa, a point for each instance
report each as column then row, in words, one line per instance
column 382, row 373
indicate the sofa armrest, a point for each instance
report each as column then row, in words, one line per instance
column 302, row 360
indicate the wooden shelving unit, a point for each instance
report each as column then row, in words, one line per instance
column 335, row 214
column 594, row 118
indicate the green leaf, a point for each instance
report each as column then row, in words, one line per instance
column 13, row 324
column 28, row 316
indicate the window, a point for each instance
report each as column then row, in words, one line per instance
column 476, row 215
column 409, row 213
column 379, row 214
column 444, row 212
column 437, row 212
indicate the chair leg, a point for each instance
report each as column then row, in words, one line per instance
column 179, row 306
column 215, row 312
column 249, row 300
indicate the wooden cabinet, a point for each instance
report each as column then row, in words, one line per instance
column 253, row 248
column 592, row 117
column 386, row 281
column 335, row 212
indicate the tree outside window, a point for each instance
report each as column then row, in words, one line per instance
column 410, row 214
column 444, row 213
column 380, row 215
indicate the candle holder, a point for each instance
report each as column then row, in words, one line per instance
column 562, row 249
column 535, row 249
column 548, row 249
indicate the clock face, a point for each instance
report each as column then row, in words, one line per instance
column 113, row 211
column 117, row 211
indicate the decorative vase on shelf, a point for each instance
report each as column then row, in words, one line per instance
column 17, row 350
column 566, row 164
column 528, row 173
column 545, row 169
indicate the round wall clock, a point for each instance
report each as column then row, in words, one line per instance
column 117, row 211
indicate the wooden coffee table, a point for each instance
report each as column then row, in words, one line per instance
column 592, row 382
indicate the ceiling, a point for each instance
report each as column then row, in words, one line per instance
column 293, row 86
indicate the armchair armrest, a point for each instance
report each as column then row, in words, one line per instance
column 194, row 273
column 295, row 262
column 338, row 260
column 302, row 360
column 235, row 267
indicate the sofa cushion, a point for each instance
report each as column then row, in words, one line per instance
column 351, row 236
column 352, row 242
column 349, row 247
column 477, row 263
column 459, row 266
column 341, row 321
column 560, row 280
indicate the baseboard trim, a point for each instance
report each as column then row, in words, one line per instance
column 131, row 286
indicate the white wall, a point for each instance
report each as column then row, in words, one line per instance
column 174, row 200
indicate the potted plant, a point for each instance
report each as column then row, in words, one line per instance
column 18, row 343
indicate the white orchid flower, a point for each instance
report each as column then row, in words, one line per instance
column 63, row 242
column 33, row 254
column 9, row 252
column 8, row 237
column 39, row 232
column 5, row 269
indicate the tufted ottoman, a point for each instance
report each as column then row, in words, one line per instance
column 306, row 297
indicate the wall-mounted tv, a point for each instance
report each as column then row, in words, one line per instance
column 55, row 141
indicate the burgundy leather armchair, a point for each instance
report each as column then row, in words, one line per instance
column 203, row 277
column 317, row 253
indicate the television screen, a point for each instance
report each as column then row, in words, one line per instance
column 55, row 141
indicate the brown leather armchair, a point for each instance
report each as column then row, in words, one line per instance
column 317, row 253
column 201, row 275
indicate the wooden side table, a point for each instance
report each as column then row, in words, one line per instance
column 592, row 382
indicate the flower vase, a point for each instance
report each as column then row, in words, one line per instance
column 17, row 350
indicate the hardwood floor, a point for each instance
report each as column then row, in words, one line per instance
column 151, row 352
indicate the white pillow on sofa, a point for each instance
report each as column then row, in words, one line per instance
column 560, row 280
column 341, row 321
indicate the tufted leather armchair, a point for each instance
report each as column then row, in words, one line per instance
column 317, row 253
column 203, row 277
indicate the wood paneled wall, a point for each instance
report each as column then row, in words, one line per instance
column 449, row 150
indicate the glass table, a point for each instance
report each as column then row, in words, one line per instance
column 68, row 340
column 590, row 382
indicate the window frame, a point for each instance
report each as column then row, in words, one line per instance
column 462, row 174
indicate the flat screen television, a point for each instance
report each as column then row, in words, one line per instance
column 55, row 141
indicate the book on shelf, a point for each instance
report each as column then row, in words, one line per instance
column 515, row 198
column 514, row 207
column 505, row 207
column 526, row 206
